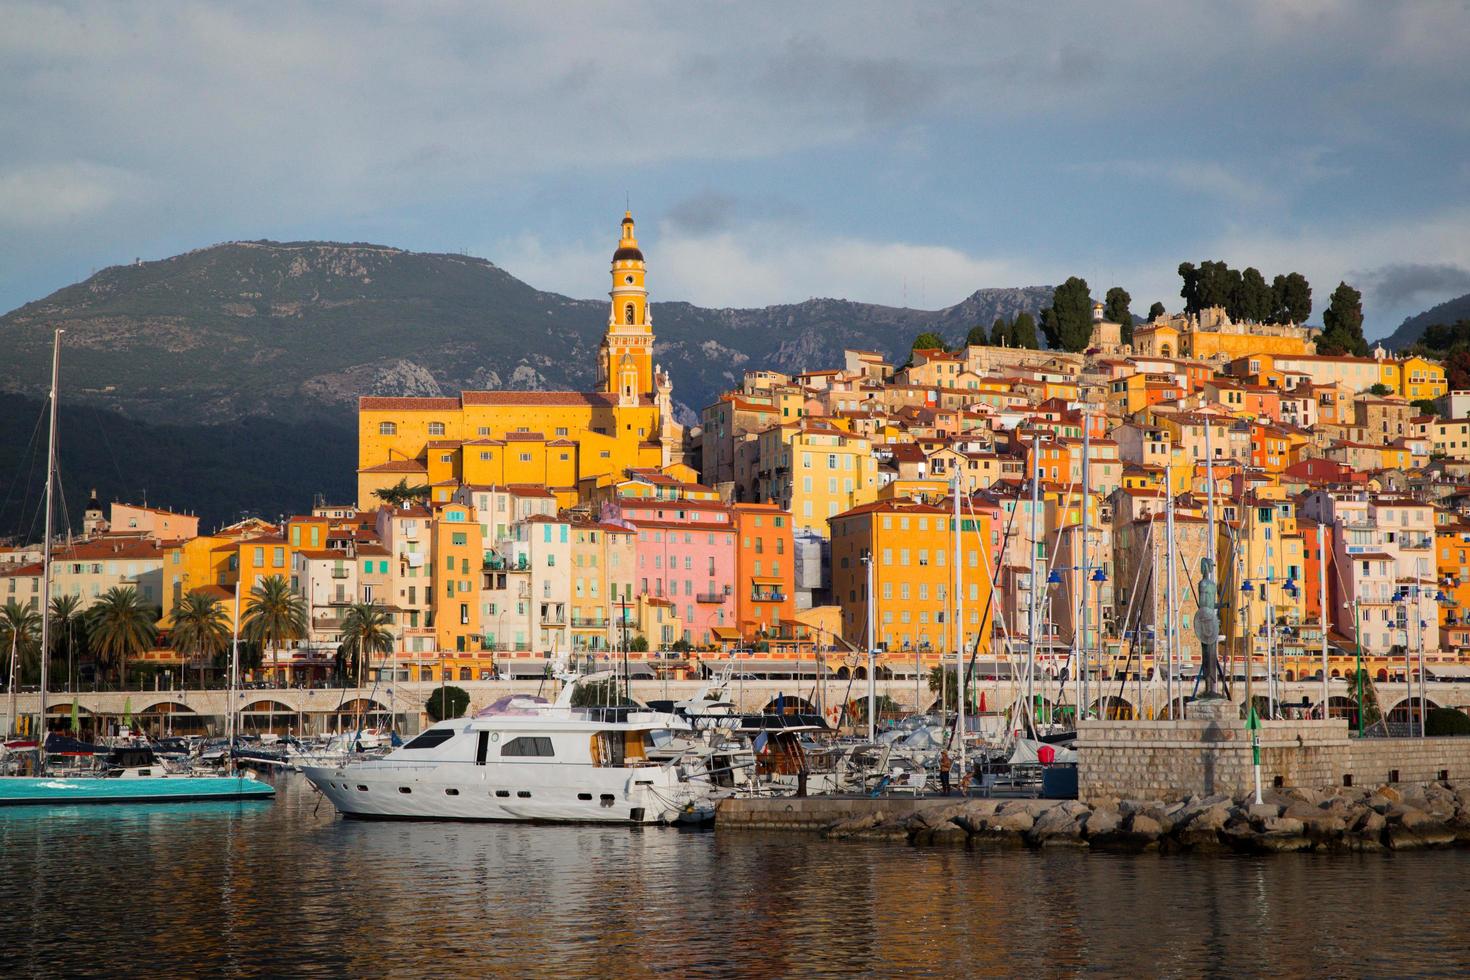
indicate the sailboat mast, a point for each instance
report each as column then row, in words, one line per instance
column 959, row 624
column 234, row 668
column 1086, row 572
column 46, row 548
column 1035, row 596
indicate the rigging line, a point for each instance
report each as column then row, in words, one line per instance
column 25, row 474
column 31, row 448
column 106, row 442
column 989, row 602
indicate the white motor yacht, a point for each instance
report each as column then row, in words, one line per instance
column 523, row 758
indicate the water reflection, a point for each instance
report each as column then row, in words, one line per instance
column 290, row 888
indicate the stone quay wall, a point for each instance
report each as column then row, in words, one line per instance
column 1171, row 760
column 814, row 813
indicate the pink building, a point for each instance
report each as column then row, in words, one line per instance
column 686, row 554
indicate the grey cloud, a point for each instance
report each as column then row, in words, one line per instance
column 705, row 213
column 880, row 90
column 1396, row 285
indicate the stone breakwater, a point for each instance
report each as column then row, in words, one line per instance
column 1347, row 820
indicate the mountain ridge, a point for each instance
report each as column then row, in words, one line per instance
column 292, row 329
column 1408, row 333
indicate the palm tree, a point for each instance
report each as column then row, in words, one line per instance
column 401, row 494
column 200, row 627
column 20, row 629
column 366, row 630
column 119, row 627
column 277, row 615
column 66, row 623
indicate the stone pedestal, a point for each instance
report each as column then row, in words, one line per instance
column 1219, row 710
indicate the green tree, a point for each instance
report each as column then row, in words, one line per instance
column 1441, row 338
column 367, row 629
column 447, row 702
column 639, row 644
column 119, row 627
column 68, row 634
column 1256, row 301
column 1446, row 721
column 1217, row 285
column 951, row 682
column 1342, row 323
column 1426, row 406
column 1379, row 390
column 1155, row 311
column 20, row 638
column 1368, row 709
column 276, row 617
column 978, row 336
column 1000, row 333
column 1190, row 290
column 200, row 628
column 1115, row 310
column 1292, row 299
column 602, row 693
column 1067, row 323
column 1023, row 332
column 929, row 340
column 402, row 494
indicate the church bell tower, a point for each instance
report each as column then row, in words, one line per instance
column 625, row 367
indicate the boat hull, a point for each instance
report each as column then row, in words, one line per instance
column 61, row 791
column 577, row 794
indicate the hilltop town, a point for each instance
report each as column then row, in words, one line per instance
column 811, row 515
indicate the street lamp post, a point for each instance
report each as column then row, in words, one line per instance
column 867, row 560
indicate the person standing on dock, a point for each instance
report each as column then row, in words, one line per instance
column 944, row 765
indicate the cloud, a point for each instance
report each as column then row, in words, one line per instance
column 1398, row 284
column 702, row 213
column 39, row 196
column 792, row 263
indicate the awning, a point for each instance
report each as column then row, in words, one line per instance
column 1455, row 671
column 523, row 668
column 724, row 633
column 768, row 580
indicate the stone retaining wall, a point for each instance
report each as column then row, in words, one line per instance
column 1170, row 760
column 813, row 813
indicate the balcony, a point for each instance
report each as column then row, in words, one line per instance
column 553, row 615
column 589, row 622
column 1417, row 542
column 711, row 597
column 506, row 647
column 767, row 596
column 339, row 573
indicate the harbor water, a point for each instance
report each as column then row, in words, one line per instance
column 289, row 888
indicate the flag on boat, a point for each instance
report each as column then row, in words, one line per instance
column 75, row 717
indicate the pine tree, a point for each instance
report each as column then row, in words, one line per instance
column 978, row 336
column 1000, row 334
column 1342, row 323
column 1023, row 332
column 1156, row 311
column 1068, row 322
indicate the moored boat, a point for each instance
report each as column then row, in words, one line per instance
column 524, row 759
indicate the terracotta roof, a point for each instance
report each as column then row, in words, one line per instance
column 592, row 398
column 369, row 403
column 396, row 466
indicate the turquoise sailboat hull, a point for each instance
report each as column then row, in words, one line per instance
column 62, row 791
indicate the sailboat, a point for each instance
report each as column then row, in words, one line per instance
column 130, row 775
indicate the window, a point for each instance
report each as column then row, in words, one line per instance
column 431, row 738
column 387, row 429
column 527, row 746
column 628, row 314
column 436, row 428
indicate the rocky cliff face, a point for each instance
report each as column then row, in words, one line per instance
column 289, row 330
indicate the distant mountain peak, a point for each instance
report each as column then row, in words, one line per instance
column 294, row 329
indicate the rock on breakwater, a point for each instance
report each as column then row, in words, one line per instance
column 1347, row 820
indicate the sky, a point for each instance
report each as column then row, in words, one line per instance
column 894, row 153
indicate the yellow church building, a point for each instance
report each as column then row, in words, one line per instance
column 553, row 439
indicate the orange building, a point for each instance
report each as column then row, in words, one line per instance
column 765, row 571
